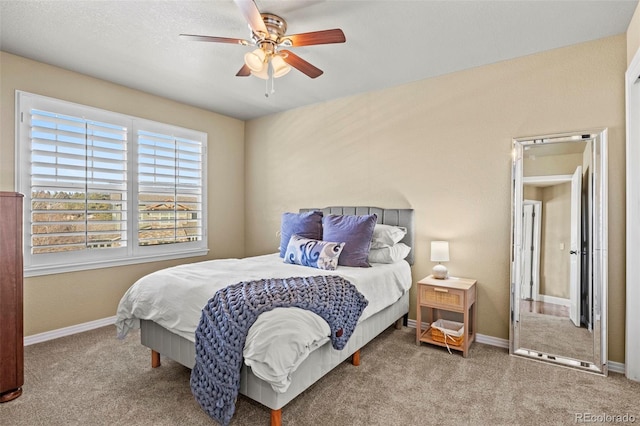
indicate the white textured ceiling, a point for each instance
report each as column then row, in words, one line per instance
column 136, row 43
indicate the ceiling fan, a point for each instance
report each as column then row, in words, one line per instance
column 268, row 34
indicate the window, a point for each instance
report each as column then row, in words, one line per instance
column 104, row 189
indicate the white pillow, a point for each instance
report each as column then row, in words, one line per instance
column 387, row 235
column 389, row 254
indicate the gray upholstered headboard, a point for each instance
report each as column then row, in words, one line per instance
column 395, row 217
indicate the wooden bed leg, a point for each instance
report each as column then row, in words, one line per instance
column 155, row 359
column 355, row 359
column 398, row 324
column 276, row 417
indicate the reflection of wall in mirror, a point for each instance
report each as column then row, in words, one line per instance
column 555, row 238
column 532, row 193
column 551, row 165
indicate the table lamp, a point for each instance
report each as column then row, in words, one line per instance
column 440, row 253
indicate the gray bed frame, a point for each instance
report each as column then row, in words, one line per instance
column 322, row 360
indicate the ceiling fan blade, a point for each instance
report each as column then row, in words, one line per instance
column 317, row 37
column 245, row 71
column 252, row 15
column 194, row 37
column 300, row 64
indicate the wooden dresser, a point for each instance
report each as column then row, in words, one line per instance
column 11, row 334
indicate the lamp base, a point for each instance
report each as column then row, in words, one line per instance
column 440, row 272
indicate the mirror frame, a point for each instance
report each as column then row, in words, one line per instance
column 599, row 240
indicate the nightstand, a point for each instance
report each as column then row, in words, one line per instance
column 452, row 295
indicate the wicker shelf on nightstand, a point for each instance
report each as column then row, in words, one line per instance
column 450, row 294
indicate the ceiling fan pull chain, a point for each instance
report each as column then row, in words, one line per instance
column 273, row 87
column 271, row 79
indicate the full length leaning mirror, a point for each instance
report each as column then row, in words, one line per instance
column 559, row 249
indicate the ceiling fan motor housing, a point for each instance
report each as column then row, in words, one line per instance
column 276, row 27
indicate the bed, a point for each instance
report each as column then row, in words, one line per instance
column 164, row 339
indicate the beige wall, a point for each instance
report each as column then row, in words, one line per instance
column 551, row 165
column 531, row 192
column 633, row 35
column 62, row 300
column 443, row 147
column 556, row 230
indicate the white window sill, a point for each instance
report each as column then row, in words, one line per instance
column 36, row 271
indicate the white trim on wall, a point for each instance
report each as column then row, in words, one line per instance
column 555, row 300
column 632, row 324
column 68, row 331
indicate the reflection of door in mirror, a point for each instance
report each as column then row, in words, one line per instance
column 553, row 272
column 575, row 246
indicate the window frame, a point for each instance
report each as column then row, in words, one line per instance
column 133, row 253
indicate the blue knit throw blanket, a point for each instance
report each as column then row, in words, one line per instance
column 228, row 315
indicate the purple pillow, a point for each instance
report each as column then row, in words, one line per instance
column 355, row 231
column 306, row 225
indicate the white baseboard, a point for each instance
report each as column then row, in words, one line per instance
column 493, row 341
column 616, row 367
column 480, row 338
column 555, row 300
column 67, row 331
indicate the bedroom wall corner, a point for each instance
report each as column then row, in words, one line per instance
column 57, row 301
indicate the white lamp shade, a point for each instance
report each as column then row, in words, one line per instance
column 439, row 251
column 280, row 67
column 263, row 73
column 255, row 60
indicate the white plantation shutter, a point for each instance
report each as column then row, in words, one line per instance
column 106, row 189
column 169, row 189
column 78, row 183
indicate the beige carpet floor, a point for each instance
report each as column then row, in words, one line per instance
column 94, row 379
column 555, row 335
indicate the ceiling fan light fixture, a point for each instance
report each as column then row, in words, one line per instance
column 263, row 73
column 280, row 67
column 255, row 60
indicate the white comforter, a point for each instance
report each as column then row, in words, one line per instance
column 280, row 339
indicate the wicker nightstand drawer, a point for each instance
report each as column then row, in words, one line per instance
column 444, row 297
